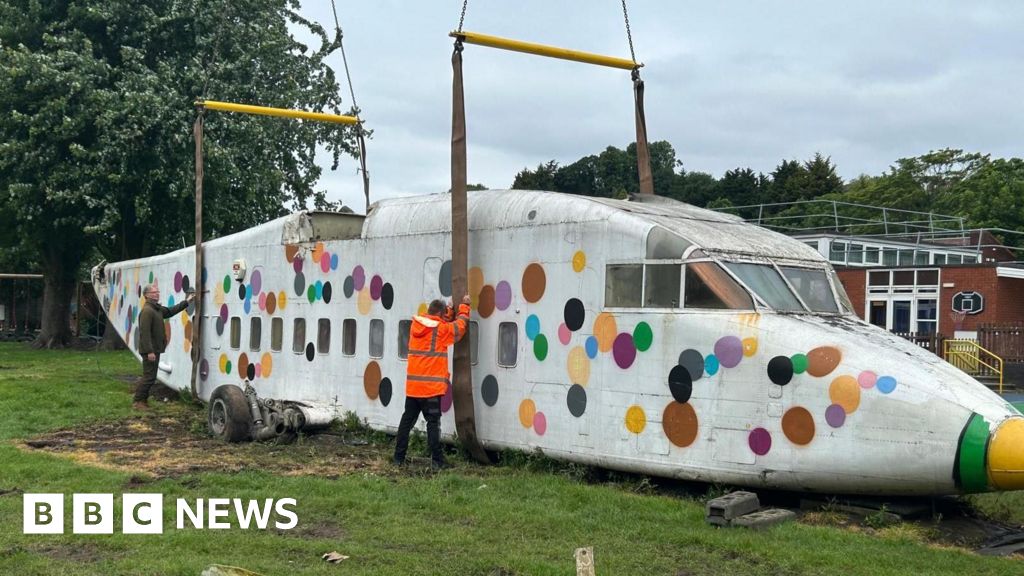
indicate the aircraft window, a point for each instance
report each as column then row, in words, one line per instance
column 255, row 333
column 623, row 285
column 376, row 338
column 348, row 337
column 276, row 334
column 403, row 338
column 813, row 288
column 323, row 336
column 508, row 343
column 844, row 298
column 236, row 332
column 661, row 288
column 766, row 283
column 299, row 336
column 664, row 245
column 474, row 341
column 708, row 286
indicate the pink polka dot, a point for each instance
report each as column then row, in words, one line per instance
column 540, row 423
column 867, row 379
column 564, row 334
column 258, row 370
column 325, row 262
column 263, row 300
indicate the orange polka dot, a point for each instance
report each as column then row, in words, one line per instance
column 605, row 331
column 798, row 425
column 266, row 364
column 679, row 421
column 527, row 410
column 749, row 346
column 845, row 391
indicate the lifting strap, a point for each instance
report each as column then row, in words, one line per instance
column 462, row 376
column 643, row 155
column 359, row 127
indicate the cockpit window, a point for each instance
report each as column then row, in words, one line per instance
column 766, row 283
column 661, row 285
column 708, row 286
column 813, row 288
column 844, row 298
column 664, row 245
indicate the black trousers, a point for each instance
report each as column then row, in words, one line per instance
column 148, row 378
column 431, row 409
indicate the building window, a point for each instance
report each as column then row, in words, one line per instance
column 921, row 258
column 837, row 252
column 236, row 332
column 661, row 285
column 871, row 254
column 376, row 338
column 903, row 278
column 403, row 338
column 938, row 258
column 623, row 285
column 889, row 257
column 508, row 343
column 474, row 341
column 255, row 333
column 323, row 336
column 276, row 334
column 927, row 316
column 348, row 337
column 299, row 335
column 856, row 254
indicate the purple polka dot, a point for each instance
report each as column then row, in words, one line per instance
column 835, row 415
column 376, row 283
column 297, row 264
column 867, row 379
column 729, row 350
column 177, row 281
column 760, row 441
column 256, row 281
column 446, row 400
column 358, row 278
column 564, row 334
column 540, row 423
column 223, row 312
column 623, row 350
column 325, row 262
column 502, row 295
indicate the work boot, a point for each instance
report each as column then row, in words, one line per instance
column 140, row 405
column 439, row 466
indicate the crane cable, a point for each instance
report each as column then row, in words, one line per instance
column 360, row 133
column 643, row 153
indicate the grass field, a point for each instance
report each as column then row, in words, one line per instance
column 526, row 517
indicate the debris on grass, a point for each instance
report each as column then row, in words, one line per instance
column 333, row 558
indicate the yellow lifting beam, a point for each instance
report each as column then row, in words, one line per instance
column 544, row 50
column 279, row 112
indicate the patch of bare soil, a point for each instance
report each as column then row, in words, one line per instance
column 172, row 441
column 77, row 553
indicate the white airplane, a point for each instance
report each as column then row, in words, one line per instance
column 648, row 336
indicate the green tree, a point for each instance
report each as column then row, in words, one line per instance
column 95, row 145
column 543, row 178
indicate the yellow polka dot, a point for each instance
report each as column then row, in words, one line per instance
column 184, row 319
column 223, row 363
column 282, row 300
column 636, row 420
column 527, row 410
column 579, row 261
column 218, row 294
column 579, row 366
column 749, row 346
column 364, row 301
column 266, row 363
column 422, row 309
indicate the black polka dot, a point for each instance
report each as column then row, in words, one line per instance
column 326, row 292
column 300, row 284
column 574, row 314
column 385, row 391
column 250, row 372
column 444, row 279
column 387, row 296
column 680, row 384
column 576, row 400
column 348, row 286
column 185, row 284
column 310, row 351
column 693, row 361
column 219, row 324
column 489, row 390
column 780, row 370
column 241, row 291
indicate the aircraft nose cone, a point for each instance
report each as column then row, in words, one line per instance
column 1005, row 461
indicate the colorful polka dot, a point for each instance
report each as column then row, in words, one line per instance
column 527, row 410
column 780, row 370
column 823, row 360
column 255, row 281
column 729, row 351
column 325, row 263
column 334, row 261
column 605, row 331
column 532, row 326
column 540, row 423
column 591, row 346
column 867, row 379
column 578, row 366
column 371, row 380
column 358, row 278
column 798, row 425
column 886, row 384
column 485, row 302
column 636, row 419
column 503, row 295
column 760, row 441
column 845, row 391
column 376, row 284
column 643, row 336
column 267, row 363
column 574, row 314
column 799, row 363
column 679, row 421
column 489, row 390
column 711, row 364
column 835, row 415
column 576, row 400
column 749, row 346
column 540, row 347
column 564, row 335
column 534, row 283
column 364, row 302
column 624, row 351
column 579, row 261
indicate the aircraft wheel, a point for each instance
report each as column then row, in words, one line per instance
column 228, row 416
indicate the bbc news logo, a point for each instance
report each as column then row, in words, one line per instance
column 144, row 514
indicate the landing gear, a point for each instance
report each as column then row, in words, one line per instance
column 228, row 416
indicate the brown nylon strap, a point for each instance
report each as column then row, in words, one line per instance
column 362, row 164
column 643, row 155
column 462, row 377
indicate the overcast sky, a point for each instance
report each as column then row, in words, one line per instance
column 728, row 84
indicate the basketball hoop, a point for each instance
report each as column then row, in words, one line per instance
column 958, row 318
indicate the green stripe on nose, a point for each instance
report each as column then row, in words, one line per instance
column 969, row 472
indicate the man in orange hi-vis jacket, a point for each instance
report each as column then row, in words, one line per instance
column 427, row 376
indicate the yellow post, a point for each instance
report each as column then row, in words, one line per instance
column 543, row 50
column 279, row 112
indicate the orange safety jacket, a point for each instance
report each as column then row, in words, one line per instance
column 429, row 338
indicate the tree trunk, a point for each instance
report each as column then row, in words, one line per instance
column 59, row 287
column 111, row 339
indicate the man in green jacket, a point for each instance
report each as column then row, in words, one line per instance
column 151, row 340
